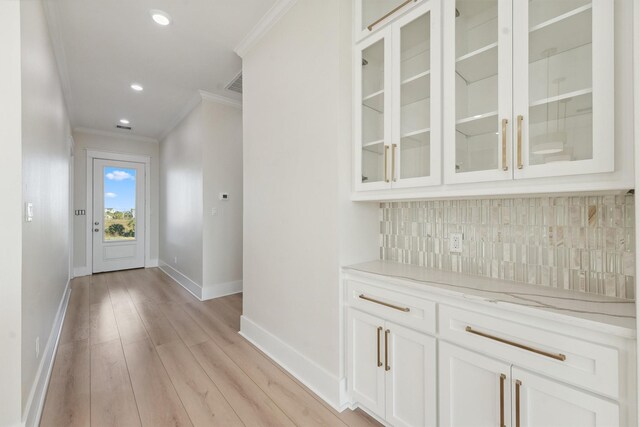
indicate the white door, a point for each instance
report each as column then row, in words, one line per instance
column 366, row 358
column 539, row 402
column 118, row 215
column 415, row 149
column 411, row 377
column 474, row 389
column 477, row 59
column 563, row 87
column 373, row 112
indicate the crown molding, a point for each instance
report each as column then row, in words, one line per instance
column 212, row 97
column 51, row 16
column 97, row 132
column 273, row 15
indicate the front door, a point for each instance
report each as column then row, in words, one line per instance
column 118, row 215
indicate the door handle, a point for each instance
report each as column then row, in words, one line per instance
column 505, row 166
column 520, row 164
column 386, row 166
column 393, row 161
column 96, row 230
column 518, row 385
column 386, row 350
column 378, row 349
column 96, row 223
column 502, row 378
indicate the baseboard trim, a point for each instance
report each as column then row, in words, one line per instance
column 191, row 286
column 218, row 290
column 35, row 402
column 309, row 373
column 82, row 271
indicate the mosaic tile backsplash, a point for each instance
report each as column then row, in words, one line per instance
column 583, row 244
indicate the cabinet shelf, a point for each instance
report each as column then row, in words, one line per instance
column 375, row 101
column 564, row 32
column 371, row 143
column 577, row 103
column 418, row 138
column 416, row 88
column 479, row 64
column 478, row 125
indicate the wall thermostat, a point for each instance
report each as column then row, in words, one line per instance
column 224, row 196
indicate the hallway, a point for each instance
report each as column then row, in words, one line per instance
column 137, row 349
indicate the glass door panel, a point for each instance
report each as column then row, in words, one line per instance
column 477, row 140
column 373, row 10
column 373, row 113
column 415, row 98
column 560, row 81
column 119, row 216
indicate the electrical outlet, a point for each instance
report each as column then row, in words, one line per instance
column 175, row 260
column 455, row 242
column 37, row 347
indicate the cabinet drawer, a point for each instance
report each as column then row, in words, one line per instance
column 591, row 366
column 416, row 313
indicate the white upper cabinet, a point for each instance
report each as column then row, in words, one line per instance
column 563, row 87
column 477, row 87
column 533, row 84
column 397, row 88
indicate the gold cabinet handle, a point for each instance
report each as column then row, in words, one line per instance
column 393, row 161
column 518, row 385
column 505, row 166
column 558, row 356
column 520, row 119
column 386, row 350
column 502, row 378
column 378, row 348
column 386, row 168
column 388, row 14
column 386, row 304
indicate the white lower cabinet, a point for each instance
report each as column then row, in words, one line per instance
column 540, row 402
column 479, row 391
column 392, row 370
column 474, row 389
column 416, row 358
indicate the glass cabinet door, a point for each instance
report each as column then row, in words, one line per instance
column 477, row 58
column 563, row 62
column 373, row 131
column 372, row 15
column 415, row 159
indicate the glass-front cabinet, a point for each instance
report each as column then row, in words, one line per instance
column 373, row 15
column 528, row 89
column 398, row 103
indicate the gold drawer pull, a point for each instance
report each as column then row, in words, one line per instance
column 505, row 166
column 378, row 336
column 386, row 350
column 518, row 385
column 386, row 304
column 502, row 378
column 388, row 14
column 560, row 357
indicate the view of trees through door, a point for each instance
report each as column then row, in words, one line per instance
column 119, row 203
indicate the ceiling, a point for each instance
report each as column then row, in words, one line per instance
column 103, row 46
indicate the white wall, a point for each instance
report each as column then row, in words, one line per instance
column 113, row 143
column 300, row 226
column 222, row 172
column 201, row 158
column 46, row 151
column 10, row 214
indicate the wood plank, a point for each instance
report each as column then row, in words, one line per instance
column 293, row 399
column 174, row 289
column 201, row 398
column 103, row 323
column 221, row 310
column 112, row 400
column 214, row 326
column 251, row 404
column 99, row 288
column 184, row 325
column 235, row 302
column 68, row 396
column 77, row 319
column 157, row 325
column 158, row 402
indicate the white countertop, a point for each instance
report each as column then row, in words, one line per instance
column 608, row 314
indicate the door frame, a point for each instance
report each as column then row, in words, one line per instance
column 105, row 155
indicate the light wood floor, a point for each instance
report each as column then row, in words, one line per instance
column 137, row 349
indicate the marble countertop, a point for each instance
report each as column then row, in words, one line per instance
column 607, row 314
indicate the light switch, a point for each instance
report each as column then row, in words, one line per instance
column 214, row 211
column 28, row 212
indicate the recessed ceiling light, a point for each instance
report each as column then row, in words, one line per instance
column 160, row 17
column 136, row 87
column 124, row 121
